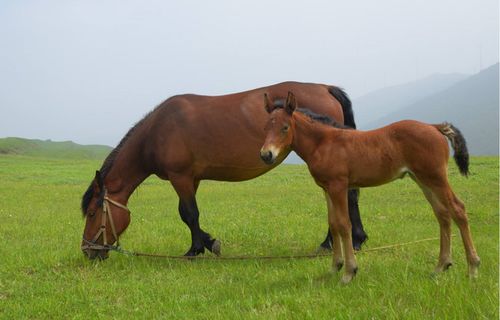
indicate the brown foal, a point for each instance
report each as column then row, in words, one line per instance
column 340, row 159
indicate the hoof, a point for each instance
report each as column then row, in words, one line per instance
column 194, row 252
column 325, row 245
column 216, row 248
column 474, row 268
column 323, row 250
column 338, row 266
column 442, row 267
column 473, row 273
column 346, row 278
column 358, row 242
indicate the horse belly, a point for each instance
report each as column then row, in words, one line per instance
column 232, row 173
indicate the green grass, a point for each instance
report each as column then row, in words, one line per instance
column 51, row 149
column 44, row 275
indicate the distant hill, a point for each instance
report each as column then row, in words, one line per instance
column 380, row 103
column 470, row 104
column 51, row 149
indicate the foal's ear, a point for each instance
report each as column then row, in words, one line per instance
column 268, row 104
column 98, row 182
column 291, row 103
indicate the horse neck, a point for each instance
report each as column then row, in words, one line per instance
column 307, row 135
column 126, row 173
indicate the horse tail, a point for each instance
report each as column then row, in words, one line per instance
column 457, row 140
column 345, row 102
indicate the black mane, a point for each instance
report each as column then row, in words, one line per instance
column 321, row 118
column 107, row 165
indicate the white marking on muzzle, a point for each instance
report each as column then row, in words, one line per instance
column 274, row 152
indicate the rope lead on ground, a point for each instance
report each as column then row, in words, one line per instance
column 119, row 249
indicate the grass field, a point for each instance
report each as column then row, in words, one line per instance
column 43, row 274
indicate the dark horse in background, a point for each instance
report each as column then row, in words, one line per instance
column 189, row 138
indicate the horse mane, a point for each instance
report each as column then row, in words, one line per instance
column 108, row 164
column 321, row 118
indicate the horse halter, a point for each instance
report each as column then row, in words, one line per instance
column 106, row 213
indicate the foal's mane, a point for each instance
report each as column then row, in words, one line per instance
column 108, row 164
column 321, row 118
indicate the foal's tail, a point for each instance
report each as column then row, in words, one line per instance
column 457, row 140
column 345, row 102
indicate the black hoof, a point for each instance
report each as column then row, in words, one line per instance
column 193, row 252
column 325, row 246
column 358, row 242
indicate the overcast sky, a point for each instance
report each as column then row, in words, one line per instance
column 88, row 70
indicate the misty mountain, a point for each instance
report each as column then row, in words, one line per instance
column 380, row 103
column 470, row 104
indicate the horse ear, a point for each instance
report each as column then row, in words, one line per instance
column 291, row 103
column 268, row 104
column 98, row 182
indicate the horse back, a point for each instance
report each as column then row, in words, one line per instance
column 219, row 137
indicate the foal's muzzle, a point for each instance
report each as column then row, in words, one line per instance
column 267, row 156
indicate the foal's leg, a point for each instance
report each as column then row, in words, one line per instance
column 338, row 260
column 188, row 210
column 443, row 195
column 443, row 216
column 460, row 217
column 340, row 222
column 358, row 233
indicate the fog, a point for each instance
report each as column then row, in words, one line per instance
column 88, row 70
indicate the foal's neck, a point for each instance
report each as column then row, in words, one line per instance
column 308, row 135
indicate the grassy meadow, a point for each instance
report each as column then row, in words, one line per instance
column 43, row 274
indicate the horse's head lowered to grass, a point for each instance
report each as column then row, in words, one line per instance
column 106, row 219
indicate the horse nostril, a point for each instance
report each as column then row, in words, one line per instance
column 266, row 156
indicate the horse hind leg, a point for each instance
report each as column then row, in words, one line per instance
column 459, row 215
column 443, row 216
column 188, row 210
column 448, row 204
column 358, row 233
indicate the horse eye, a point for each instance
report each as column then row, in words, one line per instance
column 285, row 128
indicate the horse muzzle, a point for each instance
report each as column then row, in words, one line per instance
column 93, row 253
column 267, row 156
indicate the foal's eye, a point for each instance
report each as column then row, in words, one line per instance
column 285, row 128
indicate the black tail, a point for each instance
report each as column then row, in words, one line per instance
column 457, row 140
column 345, row 102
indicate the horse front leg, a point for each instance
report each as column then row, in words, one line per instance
column 338, row 260
column 358, row 233
column 339, row 221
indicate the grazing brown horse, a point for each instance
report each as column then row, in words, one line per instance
column 340, row 159
column 189, row 138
